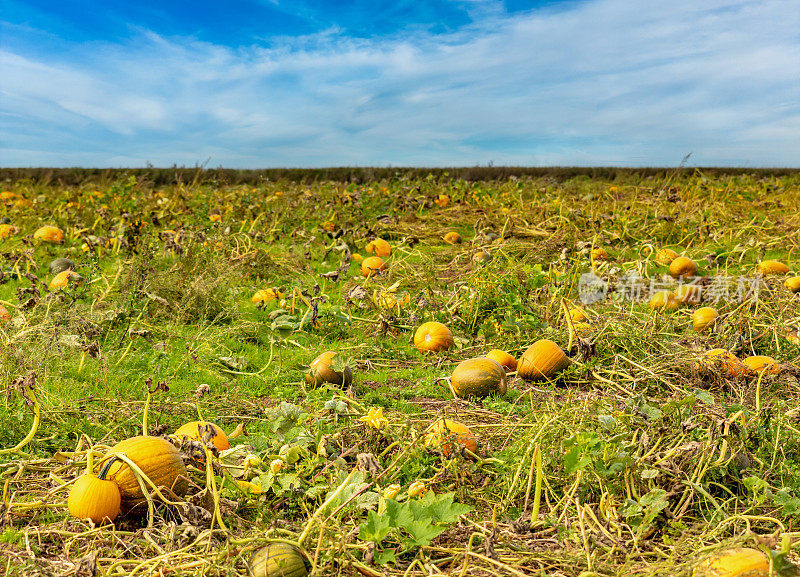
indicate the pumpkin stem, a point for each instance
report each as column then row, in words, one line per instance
column 30, row 395
column 104, row 471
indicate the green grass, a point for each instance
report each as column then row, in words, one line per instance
column 646, row 467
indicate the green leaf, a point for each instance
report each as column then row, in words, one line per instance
column 399, row 514
column 422, row 531
column 384, row 557
column 440, row 507
column 375, row 528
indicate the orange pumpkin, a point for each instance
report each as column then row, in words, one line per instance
column 321, row 371
column 503, row 359
column 452, row 238
column 793, row 284
column 478, row 378
column 379, row 247
column 665, row 256
column 63, row 279
column 762, row 364
column 198, row 430
column 689, row 294
column 371, row 266
column 772, row 267
column 267, row 295
column 542, row 360
column 599, row 254
column 664, row 301
column 723, row 361
column 442, row 200
column 4, row 314
column 703, row 317
column 448, row 435
column 682, row 267
column 94, row 498
column 49, row 233
column 577, row 315
column 433, row 337
column 156, row 457
column 7, row 230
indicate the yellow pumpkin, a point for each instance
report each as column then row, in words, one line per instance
column 741, row 562
column 682, row 267
column 723, row 361
column 321, row 371
column 379, row 247
column 577, row 315
column 371, row 266
column 452, row 237
column 762, row 364
column 197, row 430
column 94, row 498
column 665, row 256
column 358, row 258
column 703, row 317
column 772, row 267
column 503, row 359
column 793, row 284
column 156, row 457
column 7, row 230
column 267, row 295
column 63, row 279
column 49, row 234
column 433, row 337
column 278, row 560
column 664, row 301
column 215, row 217
column 599, row 254
column 447, row 435
column 542, row 360
column 689, row 294
column 478, row 378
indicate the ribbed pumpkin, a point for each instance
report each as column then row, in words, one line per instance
column 735, row 563
column 772, row 267
column 723, row 361
column 433, row 337
column 447, row 435
column 689, row 294
column 682, row 267
column 321, row 371
column 198, row 429
column 543, row 360
column 664, row 301
column 94, row 498
column 793, row 284
column 703, row 317
column 267, row 295
column 452, row 237
column 762, row 364
column 278, row 560
column 379, row 247
column 371, row 266
column 478, row 378
column 7, row 230
column 156, row 457
column 59, row 265
column 63, row 279
column 665, row 256
column 49, row 233
column 503, row 359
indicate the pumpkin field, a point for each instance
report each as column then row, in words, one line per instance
column 406, row 374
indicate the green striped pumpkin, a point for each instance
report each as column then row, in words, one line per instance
column 278, row 560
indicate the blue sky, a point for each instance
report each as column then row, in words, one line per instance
column 271, row 83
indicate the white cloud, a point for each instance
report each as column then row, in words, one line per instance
column 603, row 82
